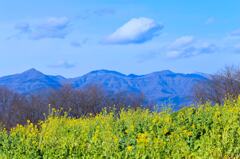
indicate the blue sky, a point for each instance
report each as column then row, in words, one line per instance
column 74, row 37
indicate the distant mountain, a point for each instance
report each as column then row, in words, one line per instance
column 162, row 87
column 31, row 81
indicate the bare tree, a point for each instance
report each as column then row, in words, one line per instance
column 17, row 109
column 13, row 108
column 6, row 98
column 223, row 85
column 127, row 99
column 90, row 99
column 37, row 107
column 93, row 99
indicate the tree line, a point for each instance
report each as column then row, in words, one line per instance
column 17, row 109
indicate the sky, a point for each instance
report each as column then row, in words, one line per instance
column 74, row 37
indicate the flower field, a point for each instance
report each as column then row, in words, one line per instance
column 194, row 132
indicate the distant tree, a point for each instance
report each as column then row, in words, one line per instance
column 13, row 108
column 223, row 85
column 93, row 99
column 6, row 98
column 62, row 97
column 19, row 111
column 77, row 102
column 37, row 107
column 127, row 99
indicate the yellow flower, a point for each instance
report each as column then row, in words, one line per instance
column 167, row 119
column 165, row 131
column 115, row 139
column 188, row 133
column 143, row 138
column 129, row 148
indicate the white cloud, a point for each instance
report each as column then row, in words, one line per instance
column 137, row 30
column 51, row 28
column 182, row 42
column 63, row 64
column 187, row 46
column 55, row 27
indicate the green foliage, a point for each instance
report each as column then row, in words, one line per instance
column 203, row 132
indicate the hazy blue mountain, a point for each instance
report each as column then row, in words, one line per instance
column 31, row 81
column 112, row 81
column 159, row 87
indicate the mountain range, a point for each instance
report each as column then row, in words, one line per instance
column 161, row 87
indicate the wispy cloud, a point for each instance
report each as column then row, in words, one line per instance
column 237, row 48
column 23, row 27
column 104, row 12
column 63, row 64
column 135, row 31
column 97, row 12
column 188, row 46
column 182, row 42
column 79, row 43
column 55, row 27
column 235, row 33
column 147, row 56
column 210, row 20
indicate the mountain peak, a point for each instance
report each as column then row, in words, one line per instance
column 103, row 71
column 32, row 72
column 166, row 72
column 162, row 73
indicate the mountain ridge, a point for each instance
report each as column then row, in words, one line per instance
column 158, row 87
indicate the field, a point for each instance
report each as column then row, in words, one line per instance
column 194, row 132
